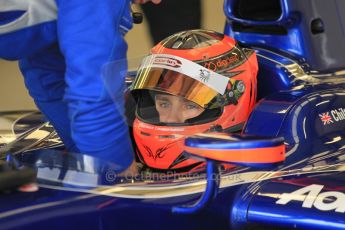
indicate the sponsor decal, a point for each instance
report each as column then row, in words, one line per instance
column 228, row 61
column 167, row 61
column 338, row 114
column 312, row 197
column 335, row 115
column 204, row 75
column 326, row 118
column 161, row 128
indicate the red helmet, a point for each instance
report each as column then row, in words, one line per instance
column 214, row 79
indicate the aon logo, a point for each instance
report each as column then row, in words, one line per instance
column 311, row 196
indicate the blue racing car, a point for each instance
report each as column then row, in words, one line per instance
column 285, row 170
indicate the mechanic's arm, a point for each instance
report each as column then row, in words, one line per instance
column 89, row 37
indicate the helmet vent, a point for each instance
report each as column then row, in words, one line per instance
column 166, row 136
column 145, row 134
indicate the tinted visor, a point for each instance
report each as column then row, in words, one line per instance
column 175, row 83
column 180, row 77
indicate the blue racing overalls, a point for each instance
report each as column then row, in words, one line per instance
column 62, row 46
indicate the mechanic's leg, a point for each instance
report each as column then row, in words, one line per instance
column 44, row 77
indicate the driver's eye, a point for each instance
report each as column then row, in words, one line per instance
column 191, row 106
column 163, row 104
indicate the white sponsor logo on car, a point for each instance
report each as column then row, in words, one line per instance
column 329, row 117
column 312, row 197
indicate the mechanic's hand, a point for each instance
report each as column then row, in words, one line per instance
column 131, row 171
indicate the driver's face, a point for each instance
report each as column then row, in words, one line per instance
column 174, row 109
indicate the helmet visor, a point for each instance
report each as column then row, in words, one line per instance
column 180, row 77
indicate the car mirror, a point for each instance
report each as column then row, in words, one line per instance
column 236, row 149
column 219, row 148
